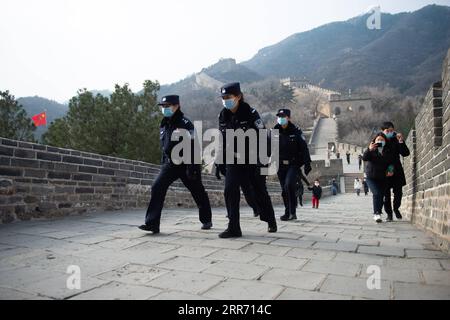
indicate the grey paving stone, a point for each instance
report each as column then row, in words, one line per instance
column 236, row 270
column 321, row 255
column 233, row 255
column 360, row 258
column 413, row 291
column 193, row 251
column 195, row 283
column 224, row 243
column 437, row 277
column 280, row 262
column 293, row 243
column 133, row 274
column 382, row 251
column 56, row 286
column 12, row 294
column 186, row 264
column 332, row 267
column 431, row 254
column 177, row 295
column 294, row 279
column 355, row 287
column 393, row 274
column 118, row 291
column 413, row 263
column 339, row 246
column 232, row 289
column 298, row 294
column 266, row 249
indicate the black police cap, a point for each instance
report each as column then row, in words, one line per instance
column 233, row 88
column 169, row 100
column 284, row 112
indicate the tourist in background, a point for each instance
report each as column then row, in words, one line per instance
column 397, row 145
column 366, row 187
column 378, row 167
column 357, row 186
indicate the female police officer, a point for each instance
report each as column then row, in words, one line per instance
column 237, row 114
column 294, row 154
column 190, row 174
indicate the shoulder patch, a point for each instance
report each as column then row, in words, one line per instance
column 259, row 124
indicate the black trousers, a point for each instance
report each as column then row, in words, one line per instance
column 288, row 175
column 250, row 198
column 170, row 173
column 398, row 194
column 246, row 176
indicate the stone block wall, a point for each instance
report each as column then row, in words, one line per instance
column 426, row 200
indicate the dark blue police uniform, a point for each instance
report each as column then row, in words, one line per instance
column 247, row 175
column 293, row 154
column 190, row 174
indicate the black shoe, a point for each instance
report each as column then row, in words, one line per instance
column 293, row 217
column 272, row 228
column 230, row 234
column 389, row 218
column 398, row 215
column 149, row 228
column 256, row 214
column 284, row 218
column 207, row 226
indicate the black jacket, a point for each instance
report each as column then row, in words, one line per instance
column 377, row 163
column 316, row 191
column 292, row 145
column 245, row 118
column 167, row 128
column 398, row 149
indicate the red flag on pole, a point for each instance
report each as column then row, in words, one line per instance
column 40, row 119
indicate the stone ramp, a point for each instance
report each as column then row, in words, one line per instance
column 323, row 255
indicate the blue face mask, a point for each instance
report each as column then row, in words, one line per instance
column 390, row 135
column 167, row 112
column 228, row 103
column 282, row 121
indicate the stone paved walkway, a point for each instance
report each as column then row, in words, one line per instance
column 324, row 255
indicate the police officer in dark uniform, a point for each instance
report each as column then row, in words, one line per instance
column 189, row 173
column 294, row 154
column 237, row 114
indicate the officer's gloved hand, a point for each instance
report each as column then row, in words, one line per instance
column 308, row 168
column 192, row 172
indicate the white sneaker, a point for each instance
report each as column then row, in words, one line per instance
column 377, row 218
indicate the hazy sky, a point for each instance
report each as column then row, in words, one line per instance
column 51, row 48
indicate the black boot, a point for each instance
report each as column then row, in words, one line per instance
column 230, row 234
column 149, row 228
column 389, row 218
column 398, row 215
column 272, row 227
column 207, row 226
column 285, row 217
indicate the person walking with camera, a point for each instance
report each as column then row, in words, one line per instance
column 378, row 168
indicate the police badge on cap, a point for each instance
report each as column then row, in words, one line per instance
column 233, row 88
column 169, row 100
